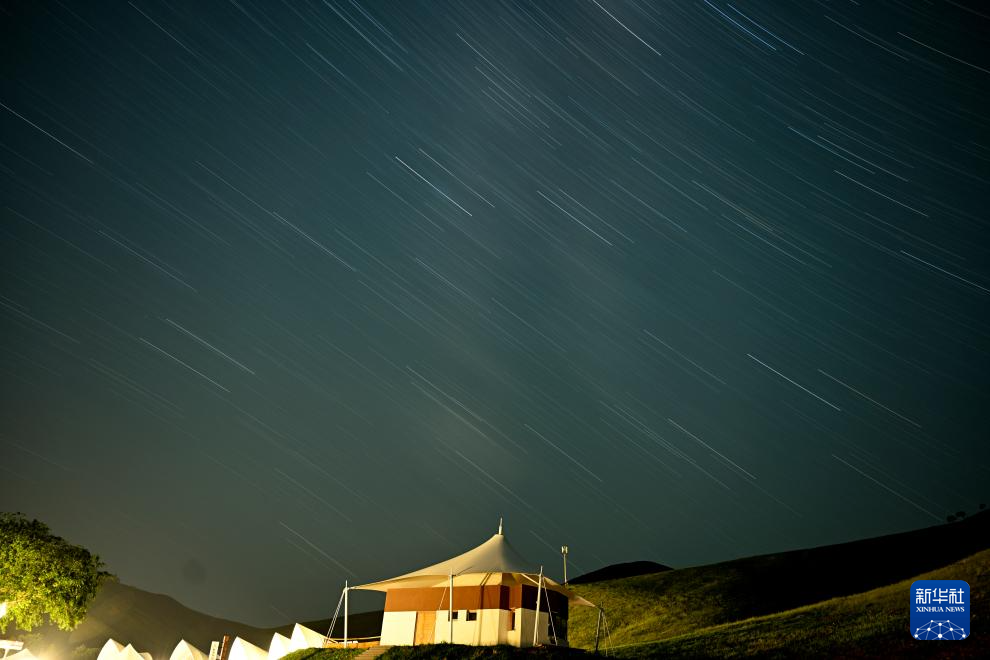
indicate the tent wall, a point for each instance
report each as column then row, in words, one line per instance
column 490, row 627
column 399, row 628
column 523, row 633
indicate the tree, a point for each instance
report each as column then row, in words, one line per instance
column 43, row 574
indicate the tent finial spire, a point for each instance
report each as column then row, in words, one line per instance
column 500, row 525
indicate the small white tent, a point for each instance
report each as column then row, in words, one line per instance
column 281, row 645
column 186, row 651
column 23, row 655
column 110, row 651
column 130, row 653
column 242, row 650
column 305, row 638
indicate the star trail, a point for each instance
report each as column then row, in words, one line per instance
column 299, row 292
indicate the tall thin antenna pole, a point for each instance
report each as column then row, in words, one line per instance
column 346, row 612
column 536, row 621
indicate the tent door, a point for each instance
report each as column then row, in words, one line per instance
column 426, row 623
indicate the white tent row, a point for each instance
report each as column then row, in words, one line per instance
column 302, row 638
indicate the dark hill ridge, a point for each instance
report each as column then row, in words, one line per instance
column 616, row 571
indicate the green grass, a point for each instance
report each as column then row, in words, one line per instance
column 676, row 603
column 870, row 624
column 323, row 654
column 462, row 652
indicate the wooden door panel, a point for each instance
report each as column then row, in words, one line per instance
column 426, row 624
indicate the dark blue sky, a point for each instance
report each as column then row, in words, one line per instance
column 300, row 292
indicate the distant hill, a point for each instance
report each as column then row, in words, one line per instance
column 616, row 571
column 155, row 623
column 671, row 603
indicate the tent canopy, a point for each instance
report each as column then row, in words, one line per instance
column 493, row 562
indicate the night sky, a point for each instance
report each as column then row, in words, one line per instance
column 299, row 292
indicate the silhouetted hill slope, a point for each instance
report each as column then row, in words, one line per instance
column 658, row 605
column 151, row 622
column 616, row 571
column 155, row 623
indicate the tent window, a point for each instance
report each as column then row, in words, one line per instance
column 512, row 619
column 456, row 612
column 472, row 616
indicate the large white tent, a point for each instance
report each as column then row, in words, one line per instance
column 498, row 598
column 186, row 651
column 243, row 650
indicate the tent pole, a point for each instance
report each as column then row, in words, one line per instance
column 346, row 612
column 536, row 620
column 598, row 629
column 333, row 621
column 450, row 609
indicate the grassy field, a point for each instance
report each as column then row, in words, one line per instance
column 323, row 654
column 462, row 652
column 675, row 603
column 870, row 624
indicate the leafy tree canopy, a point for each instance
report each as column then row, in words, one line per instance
column 43, row 574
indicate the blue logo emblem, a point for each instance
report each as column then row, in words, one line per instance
column 940, row 609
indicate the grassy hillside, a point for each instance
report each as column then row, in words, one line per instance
column 323, row 654
column 871, row 624
column 672, row 603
